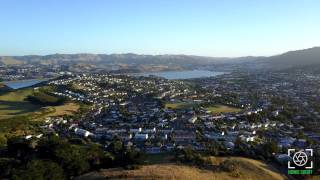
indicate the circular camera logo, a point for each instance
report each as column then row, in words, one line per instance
column 300, row 161
column 300, row 158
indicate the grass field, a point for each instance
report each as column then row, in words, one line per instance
column 14, row 104
column 65, row 109
column 217, row 109
column 179, row 105
column 16, row 113
column 248, row 168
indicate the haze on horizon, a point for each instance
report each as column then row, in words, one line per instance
column 207, row 28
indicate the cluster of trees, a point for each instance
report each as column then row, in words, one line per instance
column 215, row 148
column 264, row 151
column 190, row 156
column 45, row 99
column 44, row 96
column 57, row 158
column 74, row 88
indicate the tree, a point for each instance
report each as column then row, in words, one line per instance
column 47, row 146
column 19, row 147
column 272, row 147
column 3, row 140
column 133, row 157
column 123, row 156
column 212, row 148
column 231, row 166
column 240, row 148
column 6, row 166
column 269, row 148
column 116, row 147
column 188, row 155
column 72, row 158
column 95, row 156
column 107, row 160
column 40, row 170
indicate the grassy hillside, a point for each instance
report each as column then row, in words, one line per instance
column 17, row 113
column 14, row 104
column 299, row 58
column 10, row 61
column 249, row 169
column 65, row 109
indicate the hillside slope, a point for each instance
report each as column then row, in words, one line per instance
column 249, row 169
column 128, row 58
column 291, row 59
column 286, row 60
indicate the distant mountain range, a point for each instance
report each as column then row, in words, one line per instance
column 112, row 59
column 291, row 59
column 287, row 60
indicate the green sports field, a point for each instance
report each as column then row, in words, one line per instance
column 217, row 109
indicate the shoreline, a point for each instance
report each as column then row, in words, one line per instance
column 18, row 84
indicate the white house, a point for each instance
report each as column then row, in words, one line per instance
column 82, row 132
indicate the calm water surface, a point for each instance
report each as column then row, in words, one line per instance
column 184, row 74
column 23, row 83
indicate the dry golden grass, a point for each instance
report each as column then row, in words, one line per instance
column 253, row 169
column 10, row 61
column 66, row 109
column 250, row 169
column 317, row 177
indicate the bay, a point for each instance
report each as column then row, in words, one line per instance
column 22, row 83
column 183, row 74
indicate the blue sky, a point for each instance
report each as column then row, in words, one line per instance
column 199, row 27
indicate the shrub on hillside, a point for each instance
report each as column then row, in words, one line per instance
column 188, row 155
column 231, row 166
column 40, row 169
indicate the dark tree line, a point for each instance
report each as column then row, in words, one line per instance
column 53, row 157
